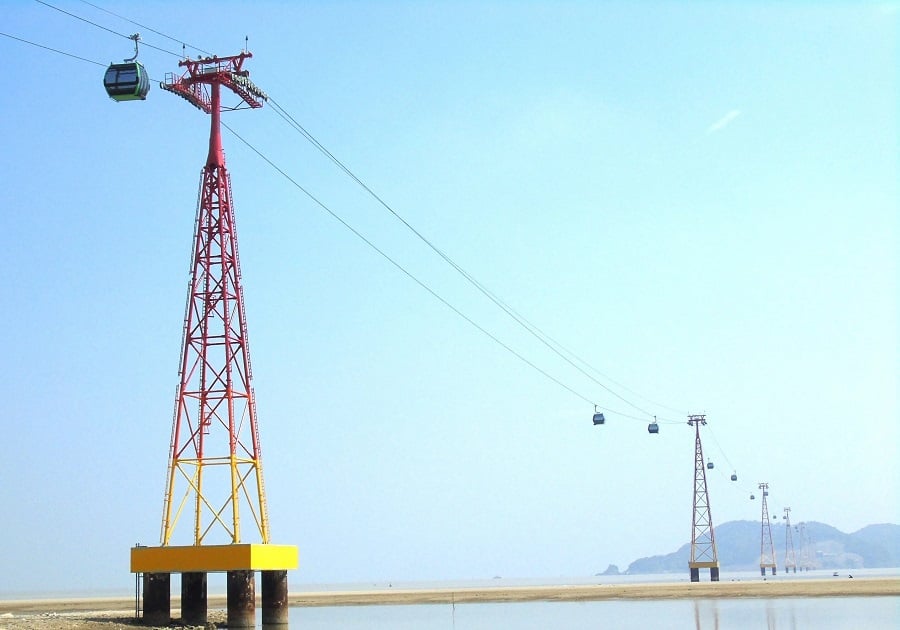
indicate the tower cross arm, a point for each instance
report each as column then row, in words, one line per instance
column 225, row 71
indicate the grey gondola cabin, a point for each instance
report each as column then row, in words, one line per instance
column 653, row 428
column 734, row 476
column 126, row 81
column 599, row 419
column 710, row 465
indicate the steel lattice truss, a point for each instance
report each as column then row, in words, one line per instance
column 215, row 464
column 703, row 539
column 790, row 558
column 766, row 547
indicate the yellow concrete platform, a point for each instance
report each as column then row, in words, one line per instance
column 214, row 558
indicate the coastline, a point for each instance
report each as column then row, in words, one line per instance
column 860, row 587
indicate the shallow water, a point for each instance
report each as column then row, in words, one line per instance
column 813, row 613
column 709, row 614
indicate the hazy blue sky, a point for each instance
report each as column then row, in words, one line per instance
column 699, row 199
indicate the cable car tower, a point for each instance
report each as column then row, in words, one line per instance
column 766, row 547
column 215, row 470
column 790, row 559
column 807, row 551
column 703, row 539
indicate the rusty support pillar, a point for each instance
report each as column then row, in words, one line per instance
column 157, row 599
column 241, row 599
column 193, row 599
column 274, row 597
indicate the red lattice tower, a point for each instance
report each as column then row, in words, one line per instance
column 703, row 539
column 766, row 547
column 215, row 463
column 215, row 452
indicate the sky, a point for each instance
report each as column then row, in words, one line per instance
column 697, row 199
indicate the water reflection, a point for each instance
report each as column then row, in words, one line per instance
column 711, row 604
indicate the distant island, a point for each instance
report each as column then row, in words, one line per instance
column 825, row 547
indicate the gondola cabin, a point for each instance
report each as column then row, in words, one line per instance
column 734, row 477
column 126, row 81
column 710, row 465
column 752, row 497
column 599, row 419
column 653, row 428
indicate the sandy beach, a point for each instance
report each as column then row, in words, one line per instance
column 117, row 613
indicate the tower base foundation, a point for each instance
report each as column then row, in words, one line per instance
column 157, row 599
column 193, row 599
column 274, row 597
column 241, row 599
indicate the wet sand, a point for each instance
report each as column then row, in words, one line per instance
column 118, row 613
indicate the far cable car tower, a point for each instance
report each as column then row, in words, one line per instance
column 215, row 474
column 766, row 547
column 703, row 539
column 790, row 558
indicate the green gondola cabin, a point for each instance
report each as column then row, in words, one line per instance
column 127, row 81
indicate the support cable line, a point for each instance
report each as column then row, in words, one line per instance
column 368, row 242
column 57, row 51
column 402, row 269
column 108, row 30
column 558, row 348
column 531, row 328
column 152, row 30
column 719, row 446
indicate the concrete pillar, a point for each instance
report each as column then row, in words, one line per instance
column 762, row 571
column 274, row 597
column 714, row 574
column 157, row 599
column 773, row 570
column 695, row 575
column 193, row 599
column 241, row 599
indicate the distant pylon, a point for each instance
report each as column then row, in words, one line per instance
column 790, row 560
column 813, row 562
column 703, row 539
column 804, row 548
column 766, row 548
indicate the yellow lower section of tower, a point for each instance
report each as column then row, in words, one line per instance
column 212, row 558
column 703, row 565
